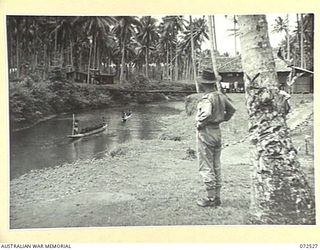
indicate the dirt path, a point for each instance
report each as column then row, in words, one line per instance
column 299, row 115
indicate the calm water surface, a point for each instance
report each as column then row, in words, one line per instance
column 47, row 145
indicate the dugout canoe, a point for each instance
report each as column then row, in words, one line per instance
column 92, row 132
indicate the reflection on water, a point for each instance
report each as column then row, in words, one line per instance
column 46, row 144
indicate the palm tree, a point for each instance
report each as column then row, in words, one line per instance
column 13, row 24
column 200, row 33
column 65, row 35
column 23, row 37
column 308, row 35
column 192, row 39
column 282, row 25
column 95, row 29
column 234, row 31
column 295, row 42
column 125, row 28
column 147, row 36
column 280, row 191
column 173, row 25
column 164, row 47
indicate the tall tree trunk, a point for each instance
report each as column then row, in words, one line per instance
column 176, row 69
column 184, row 70
column 301, row 42
column 193, row 56
column 167, row 69
column 35, row 62
column 280, row 191
column 214, row 33
column 298, row 39
column 94, row 52
column 10, row 55
column 80, row 61
column 44, row 61
column 147, row 62
column 235, row 35
column 88, row 73
column 71, row 54
column 288, row 39
column 55, row 47
column 122, row 60
column 190, row 69
column 187, row 70
column 171, row 66
column 61, row 56
column 18, row 56
column 122, row 64
column 213, row 56
column 98, row 58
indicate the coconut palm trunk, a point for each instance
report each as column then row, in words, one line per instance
column 122, row 66
column 176, row 68
column 18, row 56
column 88, row 73
column 44, row 62
column 302, row 64
column 193, row 56
column 213, row 56
column 147, row 62
column 55, row 47
column 71, row 54
column 280, row 191
column 171, row 64
column 288, row 39
column 167, row 63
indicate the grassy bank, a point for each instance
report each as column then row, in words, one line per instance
column 148, row 182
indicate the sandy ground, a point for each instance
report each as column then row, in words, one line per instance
column 153, row 182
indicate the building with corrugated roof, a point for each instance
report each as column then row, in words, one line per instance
column 230, row 69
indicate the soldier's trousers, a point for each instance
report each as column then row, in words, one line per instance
column 209, row 151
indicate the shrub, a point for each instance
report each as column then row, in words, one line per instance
column 167, row 136
column 119, row 150
column 191, row 103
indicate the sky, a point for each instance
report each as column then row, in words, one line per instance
column 225, row 39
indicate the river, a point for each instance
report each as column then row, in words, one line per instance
column 46, row 144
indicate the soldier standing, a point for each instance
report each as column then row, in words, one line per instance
column 213, row 109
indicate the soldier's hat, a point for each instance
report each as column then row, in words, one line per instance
column 207, row 77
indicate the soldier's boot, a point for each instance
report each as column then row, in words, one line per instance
column 210, row 201
column 217, row 199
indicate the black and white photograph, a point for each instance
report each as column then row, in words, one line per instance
column 160, row 120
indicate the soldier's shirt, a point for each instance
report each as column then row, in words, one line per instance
column 213, row 109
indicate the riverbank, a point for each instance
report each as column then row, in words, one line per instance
column 32, row 102
column 150, row 182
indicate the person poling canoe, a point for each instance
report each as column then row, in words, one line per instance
column 126, row 115
column 78, row 133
